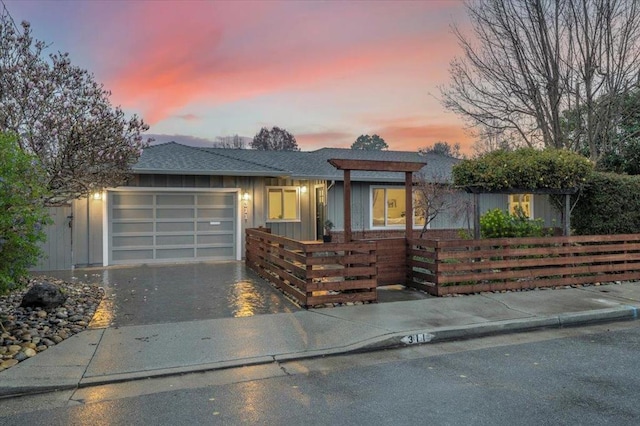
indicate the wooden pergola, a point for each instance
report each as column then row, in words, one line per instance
column 406, row 167
column 567, row 192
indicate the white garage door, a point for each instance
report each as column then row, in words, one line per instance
column 146, row 227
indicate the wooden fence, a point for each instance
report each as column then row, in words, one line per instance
column 314, row 273
column 443, row 267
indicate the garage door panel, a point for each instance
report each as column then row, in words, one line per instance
column 175, row 226
column 174, row 213
column 135, row 227
column 174, row 240
column 171, row 226
column 215, row 252
column 133, row 213
column 121, row 256
column 176, row 254
column 216, row 239
column 216, row 199
column 127, row 199
column 220, row 225
column 213, row 213
column 133, row 241
column 175, row 200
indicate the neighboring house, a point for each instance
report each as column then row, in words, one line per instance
column 193, row 204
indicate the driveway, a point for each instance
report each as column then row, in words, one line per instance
column 155, row 294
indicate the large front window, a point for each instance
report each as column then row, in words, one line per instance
column 388, row 208
column 283, row 203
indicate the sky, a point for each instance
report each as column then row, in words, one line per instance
column 327, row 71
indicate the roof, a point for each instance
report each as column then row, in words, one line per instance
column 174, row 158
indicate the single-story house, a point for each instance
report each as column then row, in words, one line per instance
column 186, row 203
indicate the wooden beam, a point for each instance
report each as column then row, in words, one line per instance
column 408, row 216
column 376, row 166
column 347, row 206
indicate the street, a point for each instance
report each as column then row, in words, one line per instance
column 587, row 375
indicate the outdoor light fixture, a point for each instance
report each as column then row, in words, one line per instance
column 245, row 196
column 303, row 189
column 97, row 195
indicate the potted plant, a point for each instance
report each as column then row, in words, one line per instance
column 328, row 226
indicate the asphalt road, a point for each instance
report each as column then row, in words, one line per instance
column 586, row 376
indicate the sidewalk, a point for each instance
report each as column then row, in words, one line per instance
column 101, row 356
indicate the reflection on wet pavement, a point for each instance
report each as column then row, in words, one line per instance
column 152, row 294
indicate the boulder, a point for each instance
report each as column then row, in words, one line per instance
column 43, row 295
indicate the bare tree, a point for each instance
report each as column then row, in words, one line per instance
column 528, row 62
column 434, row 196
column 232, row 142
column 276, row 139
column 443, row 148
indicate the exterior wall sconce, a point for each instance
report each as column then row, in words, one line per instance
column 303, row 189
column 97, row 196
column 245, row 196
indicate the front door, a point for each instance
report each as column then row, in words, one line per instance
column 320, row 211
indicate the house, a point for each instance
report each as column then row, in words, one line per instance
column 186, row 203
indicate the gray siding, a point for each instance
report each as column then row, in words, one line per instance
column 87, row 231
column 88, row 217
column 57, row 247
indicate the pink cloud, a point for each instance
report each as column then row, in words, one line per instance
column 212, row 53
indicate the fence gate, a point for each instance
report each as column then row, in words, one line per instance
column 57, row 247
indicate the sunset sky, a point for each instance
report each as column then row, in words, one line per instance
column 326, row 71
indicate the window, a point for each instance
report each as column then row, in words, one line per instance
column 388, row 208
column 523, row 202
column 283, row 204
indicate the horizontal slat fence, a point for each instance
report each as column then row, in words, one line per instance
column 442, row 267
column 314, row 273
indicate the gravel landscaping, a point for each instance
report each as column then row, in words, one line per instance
column 27, row 331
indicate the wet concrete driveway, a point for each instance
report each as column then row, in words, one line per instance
column 155, row 294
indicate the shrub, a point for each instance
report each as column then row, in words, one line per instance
column 525, row 168
column 22, row 213
column 499, row 224
column 609, row 204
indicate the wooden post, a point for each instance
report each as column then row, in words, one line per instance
column 408, row 189
column 476, row 216
column 567, row 215
column 347, row 206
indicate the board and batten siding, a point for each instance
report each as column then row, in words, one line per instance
column 57, row 247
column 89, row 214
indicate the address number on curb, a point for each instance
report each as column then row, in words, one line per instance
column 412, row 339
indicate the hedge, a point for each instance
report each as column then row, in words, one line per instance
column 524, row 168
column 608, row 204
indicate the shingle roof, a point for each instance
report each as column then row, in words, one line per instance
column 174, row 158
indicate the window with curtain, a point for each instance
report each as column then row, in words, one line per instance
column 283, row 203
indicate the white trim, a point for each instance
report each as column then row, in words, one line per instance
column 239, row 225
column 298, row 218
column 392, row 227
column 106, row 198
column 106, row 261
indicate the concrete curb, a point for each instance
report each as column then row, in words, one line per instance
column 385, row 341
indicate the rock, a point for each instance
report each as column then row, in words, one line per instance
column 20, row 356
column 29, row 352
column 42, row 314
column 43, row 295
column 8, row 363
